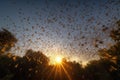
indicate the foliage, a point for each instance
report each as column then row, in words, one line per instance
column 7, row 40
column 112, row 55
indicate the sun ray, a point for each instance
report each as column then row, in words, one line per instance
column 66, row 73
column 59, row 68
column 51, row 72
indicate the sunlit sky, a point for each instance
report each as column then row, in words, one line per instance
column 71, row 28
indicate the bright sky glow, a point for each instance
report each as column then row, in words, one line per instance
column 58, row 60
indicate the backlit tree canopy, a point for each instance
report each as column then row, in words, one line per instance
column 7, row 40
column 112, row 55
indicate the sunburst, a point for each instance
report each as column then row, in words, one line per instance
column 59, row 67
column 58, row 60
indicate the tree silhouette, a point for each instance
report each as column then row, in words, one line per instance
column 96, row 70
column 112, row 55
column 7, row 40
column 36, row 56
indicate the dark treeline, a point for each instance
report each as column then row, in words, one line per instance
column 34, row 65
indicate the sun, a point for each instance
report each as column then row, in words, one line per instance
column 58, row 60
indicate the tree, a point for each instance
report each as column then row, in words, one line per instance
column 36, row 56
column 7, row 40
column 97, row 70
column 112, row 55
column 37, row 62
